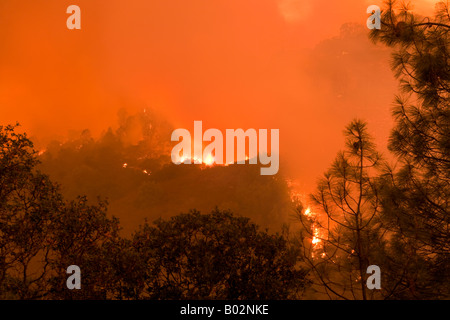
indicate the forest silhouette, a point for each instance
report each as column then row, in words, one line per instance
column 242, row 235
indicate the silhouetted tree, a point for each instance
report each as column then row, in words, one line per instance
column 82, row 235
column 41, row 234
column 191, row 256
column 28, row 200
column 416, row 201
column 349, row 237
column 217, row 256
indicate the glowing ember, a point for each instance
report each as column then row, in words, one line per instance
column 316, row 239
column 209, row 160
column 308, row 212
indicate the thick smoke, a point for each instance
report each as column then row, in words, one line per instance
column 131, row 167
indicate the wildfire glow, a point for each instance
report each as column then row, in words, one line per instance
column 308, row 212
column 209, row 160
column 316, row 239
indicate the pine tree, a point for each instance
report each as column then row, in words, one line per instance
column 350, row 234
column 416, row 196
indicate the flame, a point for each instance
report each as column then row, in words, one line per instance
column 124, row 165
column 316, row 237
column 196, row 160
column 309, row 213
column 209, row 160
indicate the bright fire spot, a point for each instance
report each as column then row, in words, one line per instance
column 209, row 160
column 124, row 165
column 309, row 213
column 316, row 239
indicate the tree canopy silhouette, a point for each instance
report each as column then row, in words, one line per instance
column 416, row 203
column 190, row 256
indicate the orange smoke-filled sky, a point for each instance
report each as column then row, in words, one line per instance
column 230, row 63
